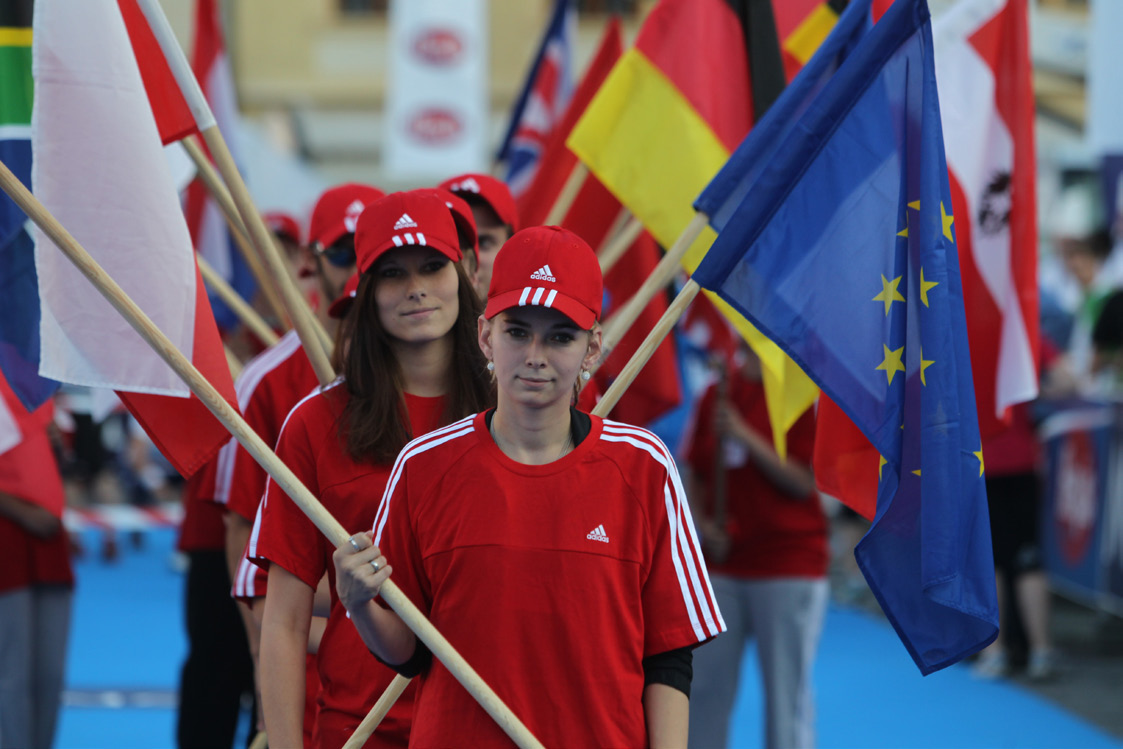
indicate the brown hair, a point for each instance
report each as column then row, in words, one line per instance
column 374, row 424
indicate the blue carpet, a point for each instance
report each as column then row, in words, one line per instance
column 127, row 644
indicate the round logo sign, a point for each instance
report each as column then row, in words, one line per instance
column 1076, row 496
column 435, row 126
column 438, row 46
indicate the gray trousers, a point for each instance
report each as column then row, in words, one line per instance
column 785, row 616
column 34, row 627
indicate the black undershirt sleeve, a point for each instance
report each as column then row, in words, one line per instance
column 417, row 663
column 674, row 668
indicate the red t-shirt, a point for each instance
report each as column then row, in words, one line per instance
column 311, row 445
column 772, row 533
column 269, row 386
column 553, row 581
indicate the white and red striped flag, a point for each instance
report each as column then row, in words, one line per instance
column 204, row 218
column 986, row 100
column 100, row 170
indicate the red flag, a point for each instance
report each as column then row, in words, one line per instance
column 173, row 117
column 28, row 469
column 183, row 429
column 204, row 217
column 593, row 213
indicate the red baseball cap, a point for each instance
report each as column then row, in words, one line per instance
column 417, row 217
column 491, row 191
column 547, row 266
column 284, row 225
column 339, row 307
column 337, row 212
column 462, row 215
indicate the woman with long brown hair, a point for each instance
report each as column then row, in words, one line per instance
column 409, row 364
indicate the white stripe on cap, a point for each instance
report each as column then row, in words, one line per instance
column 550, row 298
column 421, row 239
column 409, row 238
column 538, row 295
column 397, row 241
column 525, row 294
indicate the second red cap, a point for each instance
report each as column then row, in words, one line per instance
column 488, row 189
column 402, row 219
column 337, row 212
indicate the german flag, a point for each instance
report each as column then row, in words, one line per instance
column 665, row 121
column 803, row 25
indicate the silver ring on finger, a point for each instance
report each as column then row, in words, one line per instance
column 376, row 565
column 354, row 544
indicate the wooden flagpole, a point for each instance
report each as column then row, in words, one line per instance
column 377, row 713
column 307, row 327
column 206, row 172
column 619, row 243
column 247, row 314
column 628, row 374
column 617, row 326
column 249, row 439
column 568, row 194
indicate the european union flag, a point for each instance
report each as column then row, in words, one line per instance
column 843, row 252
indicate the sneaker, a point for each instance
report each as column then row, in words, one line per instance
column 991, row 666
column 1042, row 666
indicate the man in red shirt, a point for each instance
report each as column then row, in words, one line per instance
column 495, row 214
column 765, row 539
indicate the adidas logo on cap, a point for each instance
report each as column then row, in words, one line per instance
column 351, row 215
column 597, row 534
column 405, row 222
column 543, row 274
column 466, row 185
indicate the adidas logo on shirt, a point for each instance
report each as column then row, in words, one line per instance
column 543, row 274
column 598, row 534
column 405, row 222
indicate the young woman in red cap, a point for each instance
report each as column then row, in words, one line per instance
column 553, row 549
column 409, row 364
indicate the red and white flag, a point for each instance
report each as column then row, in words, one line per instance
column 100, row 170
column 212, row 69
column 986, row 99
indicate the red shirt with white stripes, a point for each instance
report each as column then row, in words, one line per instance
column 554, row 581
column 269, row 386
column 312, row 446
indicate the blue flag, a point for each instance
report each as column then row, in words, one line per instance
column 543, row 100
column 728, row 187
column 19, row 284
column 843, row 252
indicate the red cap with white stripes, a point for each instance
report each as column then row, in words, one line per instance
column 405, row 219
column 547, row 266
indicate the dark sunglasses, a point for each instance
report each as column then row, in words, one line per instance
column 339, row 256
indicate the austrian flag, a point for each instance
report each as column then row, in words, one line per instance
column 986, row 99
